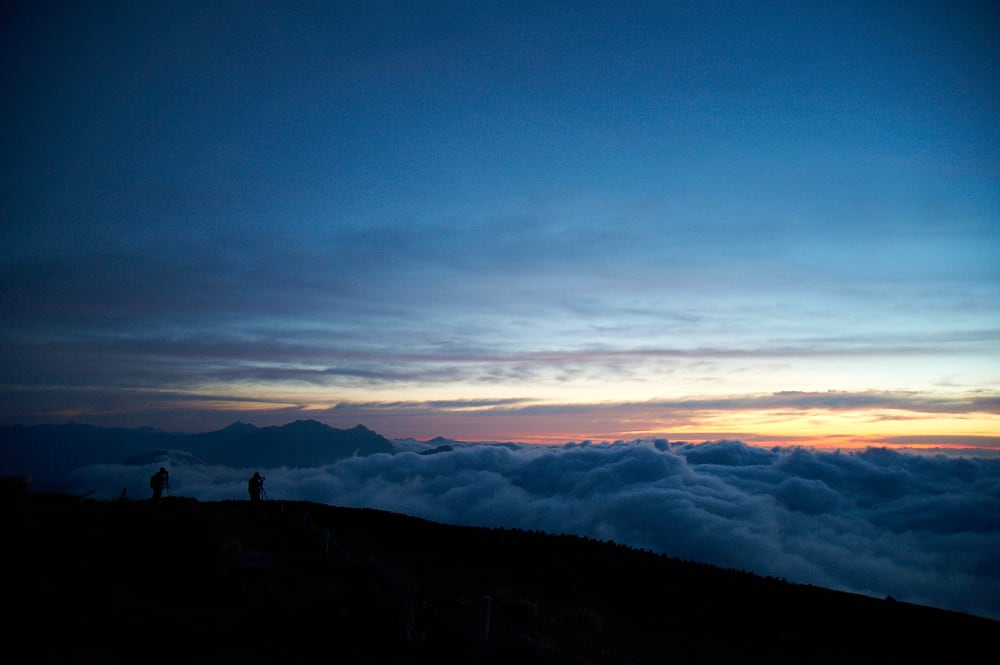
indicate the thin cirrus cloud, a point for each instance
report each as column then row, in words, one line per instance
column 317, row 370
column 831, row 419
column 310, row 208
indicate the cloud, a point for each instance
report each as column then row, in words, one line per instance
column 922, row 528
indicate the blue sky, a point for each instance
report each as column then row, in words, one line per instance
column 502, row 221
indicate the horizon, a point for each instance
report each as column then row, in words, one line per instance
column 929, row 446
column 775, row 223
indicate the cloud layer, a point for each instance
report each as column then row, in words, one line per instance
column 920, row 528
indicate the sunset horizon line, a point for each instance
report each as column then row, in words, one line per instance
column 831, row 442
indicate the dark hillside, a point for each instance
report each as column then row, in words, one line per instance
column 294, row 582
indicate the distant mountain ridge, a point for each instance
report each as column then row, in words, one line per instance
column 303, row 443
column 48, row 453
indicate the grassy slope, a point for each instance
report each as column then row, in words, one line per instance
column 296, row 582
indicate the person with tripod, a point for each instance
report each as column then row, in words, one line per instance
column 159, row 481
column 256, row 487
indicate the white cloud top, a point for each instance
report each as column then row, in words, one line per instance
column 921, row 528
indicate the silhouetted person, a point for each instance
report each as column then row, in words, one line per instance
column 159, row 481
column 255, row 487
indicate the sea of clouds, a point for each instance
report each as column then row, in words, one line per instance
column 920, row 528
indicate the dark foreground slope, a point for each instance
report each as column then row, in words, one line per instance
column 294, row 582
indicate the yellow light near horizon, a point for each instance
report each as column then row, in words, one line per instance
column 832, row 428
column 591, row 410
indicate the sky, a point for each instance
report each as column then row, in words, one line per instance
column 922, row 528
column 777, row 222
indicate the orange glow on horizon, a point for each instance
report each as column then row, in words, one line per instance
column 818, row 442
column 825, row 430
column 813, row 425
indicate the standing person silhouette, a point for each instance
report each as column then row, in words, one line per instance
column 255, row 487
column 159, row 481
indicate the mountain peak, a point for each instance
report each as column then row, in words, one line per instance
column 239, row 426
column 307, row 425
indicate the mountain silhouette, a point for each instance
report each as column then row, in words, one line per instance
column 303, row 443
column 297, row 582
column 48, row 453
column 437, row 450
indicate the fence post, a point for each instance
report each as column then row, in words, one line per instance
column 483, row 632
